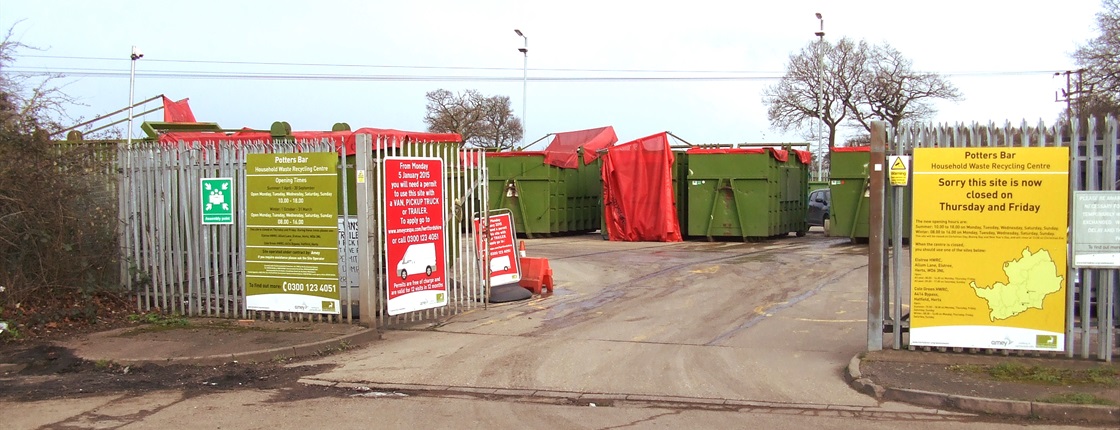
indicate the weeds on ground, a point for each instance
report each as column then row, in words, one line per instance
column 1077, row 399
column 1015, row 372
column 343, row 346
column 160, row 320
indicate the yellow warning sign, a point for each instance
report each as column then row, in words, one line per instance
column 900, row 170
column 988, row 248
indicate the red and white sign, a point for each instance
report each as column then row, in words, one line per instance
column 504, row 267
column 415, row 239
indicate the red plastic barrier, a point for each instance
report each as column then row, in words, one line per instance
column 536, row 275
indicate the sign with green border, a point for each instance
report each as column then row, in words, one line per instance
column 291, row 232
column 217, row 200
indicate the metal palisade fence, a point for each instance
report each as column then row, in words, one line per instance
column 464, row 197
column 174, row 262
column 1091, row 294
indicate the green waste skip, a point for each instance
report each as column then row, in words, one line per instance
column 850, row 186
column 545, row 200
column 747, row 193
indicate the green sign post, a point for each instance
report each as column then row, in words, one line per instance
column 217, row 200
column 291, row 232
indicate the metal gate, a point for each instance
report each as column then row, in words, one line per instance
column 465, row 197
column 1093, row 166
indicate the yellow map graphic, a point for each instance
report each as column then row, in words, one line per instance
column 1030, row 280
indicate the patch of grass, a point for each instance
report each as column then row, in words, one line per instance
column 343, row 346
column 1103, row 375
column 1021, row 373
column 161, row 320
column 967, row 368
column 1077, row 399
column 1049, row 375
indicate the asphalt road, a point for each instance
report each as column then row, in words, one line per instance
column 644, row 335
column 773, row 321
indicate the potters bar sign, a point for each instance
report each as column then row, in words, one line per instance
column 291, row 232
column 989, row 247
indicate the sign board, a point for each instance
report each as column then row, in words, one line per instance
column 900, row 170
column 291, row 232
column 989, row 248
column 217, row 200
column 415, row 239
column 1096, row 229
column 504, row 265
column 348, row 251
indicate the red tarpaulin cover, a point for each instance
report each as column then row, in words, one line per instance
column 179, row 111
column 345, row 140
column 805, row 157
column 638, row 201
column 779, row 154
column 851, row 149
column 562, row 151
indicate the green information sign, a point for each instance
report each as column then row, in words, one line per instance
column 217, row 200
column 291, row 232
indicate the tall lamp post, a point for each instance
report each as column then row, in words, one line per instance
column 820, row 90
column 136, row 55
column 524, row 86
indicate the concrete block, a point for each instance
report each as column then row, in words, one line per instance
column 917, row 397
column 1088, row 413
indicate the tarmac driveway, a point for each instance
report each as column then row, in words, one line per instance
column 775, row 321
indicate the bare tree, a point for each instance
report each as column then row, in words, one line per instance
column 486, row 122
column 891, row 90
column 817, row 86
column 854, row 82
column 1098, row 80
column 29, row 101
column 454, row 113
column 499, row 128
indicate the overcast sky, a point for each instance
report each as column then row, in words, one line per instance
column 369, row 63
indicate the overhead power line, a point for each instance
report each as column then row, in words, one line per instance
column 382, row 66
column 372, row 78
column 763, row 73
column 110, row 73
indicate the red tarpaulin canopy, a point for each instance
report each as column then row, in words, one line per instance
column 804, row 157
column 345, row 140
column 638, row 191
column 851, row 149
column 562, row 151
column 179, row 111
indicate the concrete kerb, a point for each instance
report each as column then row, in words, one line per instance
column 1018, row 408
column 302, row 350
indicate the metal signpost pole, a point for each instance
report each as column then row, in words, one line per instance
column 524, row 86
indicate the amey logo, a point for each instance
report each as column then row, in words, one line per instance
column 1005, row 342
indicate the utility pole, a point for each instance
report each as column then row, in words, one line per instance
column 1070, row 94
column 820, row 89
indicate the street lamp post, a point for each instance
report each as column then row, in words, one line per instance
column 524, row 86
column 136, row 55
column 820, row 91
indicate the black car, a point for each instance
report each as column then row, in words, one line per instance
column 820, row 202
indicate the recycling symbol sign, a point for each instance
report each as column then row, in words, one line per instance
column 217, row 201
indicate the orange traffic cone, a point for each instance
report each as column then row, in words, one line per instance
column 521, row 249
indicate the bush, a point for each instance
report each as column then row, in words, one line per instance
column 58, row 245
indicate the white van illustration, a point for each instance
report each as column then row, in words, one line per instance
column 499, row 264
column 418, row 258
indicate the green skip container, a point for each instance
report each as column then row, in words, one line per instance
column 747, row 193
column 851, row 195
